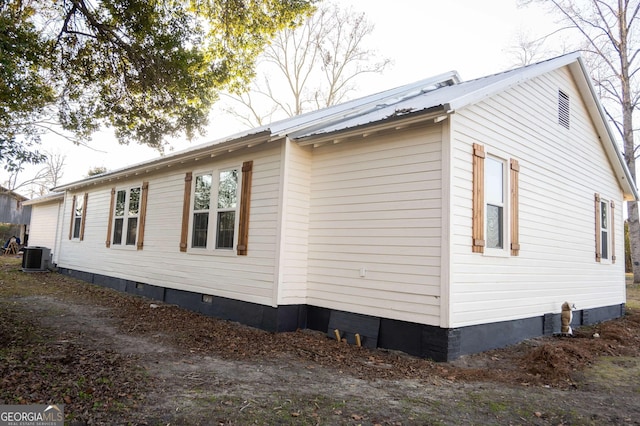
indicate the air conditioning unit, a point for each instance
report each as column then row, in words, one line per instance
column 35, row 259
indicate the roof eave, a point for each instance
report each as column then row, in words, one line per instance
column 49, row 198
column 599, row 117
column 436, row 113
column 201, row 152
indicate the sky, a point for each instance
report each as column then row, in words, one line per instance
column 423, row 38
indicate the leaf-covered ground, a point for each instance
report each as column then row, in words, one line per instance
column 113, row 358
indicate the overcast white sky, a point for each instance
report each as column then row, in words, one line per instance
column 422, row 37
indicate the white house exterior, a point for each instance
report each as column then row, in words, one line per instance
column 44, row 224
column 439, row 218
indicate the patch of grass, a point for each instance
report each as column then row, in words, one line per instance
column 633, row 296
column 614, row 373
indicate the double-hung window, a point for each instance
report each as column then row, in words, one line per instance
column 125, row 217
column 214, row 209
column 495, row 202
column 604, row 229
column 495, row 222
column 605, row 232
column 77, row 217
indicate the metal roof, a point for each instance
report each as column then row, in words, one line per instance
column 47, row 198
column 439, row 95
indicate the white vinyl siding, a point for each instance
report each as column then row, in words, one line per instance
column 43, row 225
column 375, row 226
column 249, row 278
column 295, row 225
column 556, row 208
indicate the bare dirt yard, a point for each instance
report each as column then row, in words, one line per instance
column 113, row 358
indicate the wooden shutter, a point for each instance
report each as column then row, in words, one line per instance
column 245, row 201
column 84, row 215
column 612, row 231
column 143, row 214
column 515, row 235
column 110, row 223
column 186, row 206
column 73, row 216
column 477, row 230
column 598, row 230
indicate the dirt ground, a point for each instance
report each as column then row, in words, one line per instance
column 113, row 358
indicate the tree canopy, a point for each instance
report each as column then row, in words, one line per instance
column 150, row 69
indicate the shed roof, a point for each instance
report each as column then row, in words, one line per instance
column 13, row 194
column 47, row 198
column 433, row 97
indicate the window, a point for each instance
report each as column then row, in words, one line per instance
column 201, row 204
column 78, row 216
column 214, row 223
column 125, row 218
column 222, row 189
column 605, row 234
column 494, row 186
column 495, row 221
column 604, row 229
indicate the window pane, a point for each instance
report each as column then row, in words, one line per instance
column 228, row 189
column 605, row 245
column 79, row 204
column 494, row 170
column 134, row 201
column 120, row 197
column 202, row 194
column 604, row 215
column 200, row 227
column 494, row 227
column 117, row 231
column 132, row 228
column 226, row 224
column 76, row 227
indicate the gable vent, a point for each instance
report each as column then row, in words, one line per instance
column 563, row 109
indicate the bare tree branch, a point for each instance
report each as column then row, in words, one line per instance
column 313, row 66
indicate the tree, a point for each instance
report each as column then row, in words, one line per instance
column 311, row 66
column 611, row 34
column 43, row 180
column 527, row 50
column 147, row 68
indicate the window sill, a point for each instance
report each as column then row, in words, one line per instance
column 496, row 253
column 212, row 252
column 123, row 247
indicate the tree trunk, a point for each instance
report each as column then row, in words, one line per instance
column 627, row 130
column 634, row 238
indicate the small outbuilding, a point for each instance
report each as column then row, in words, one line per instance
column 14, row 215
column 440, row 218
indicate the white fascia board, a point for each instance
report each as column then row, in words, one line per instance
column 509, row 79
column 435, row 114
column 48, row 198
column 607, row 138
column 311, row 122
column 202, row 151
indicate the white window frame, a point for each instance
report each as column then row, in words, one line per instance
column 605, row 229
column 505, row 250
column 77, row 217
column 125, row 217
column 213, row 212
